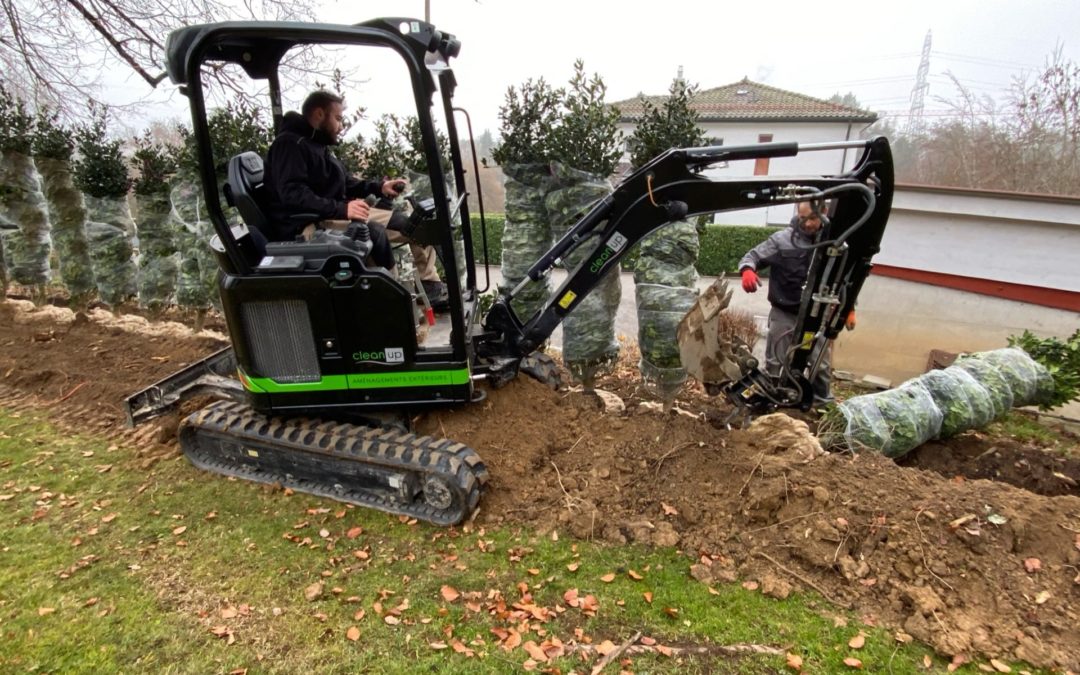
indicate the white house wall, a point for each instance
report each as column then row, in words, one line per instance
column 985, row 235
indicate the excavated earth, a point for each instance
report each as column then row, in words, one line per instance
column 972, row 546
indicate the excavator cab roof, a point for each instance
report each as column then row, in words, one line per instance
column 258, row 46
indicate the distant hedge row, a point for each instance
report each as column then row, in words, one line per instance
column 722, row 246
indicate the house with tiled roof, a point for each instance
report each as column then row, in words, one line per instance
column 747, row 112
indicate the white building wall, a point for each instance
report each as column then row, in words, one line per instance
column 1027, row 240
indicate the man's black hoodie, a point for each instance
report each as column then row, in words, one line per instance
column 303, row 176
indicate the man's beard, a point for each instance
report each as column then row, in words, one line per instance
column 332, row 139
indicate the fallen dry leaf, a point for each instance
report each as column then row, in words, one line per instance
column 648, row 597
column 608, row 578
column 533, row 571
column 354, row 532
column 570, row 597
column 957, row 661
column 391, row 620
column 359, row 615
column 6, row 498
column 535, row 652
column 1000, row 667
column 669, row 510
column 927, row 662
column 857, row 642
column 44, row 611
column 229, row 613
column 672, row 612
column 648, row 641
column 794, row 661
column 750, row 585
column 634, row 575
column 449, row 593
column 353, row 633
column 1042, row 597
column 666, row 651
column 179, row 530
column 573, row 567
column 605, row 648
column 438, row 645
column 852, row 662
column 313, row 591
column 1032, row 565
column 109, row 518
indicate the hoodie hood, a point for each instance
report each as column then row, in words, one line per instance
column 295, row 123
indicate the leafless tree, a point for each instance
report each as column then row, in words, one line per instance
column 1030, row 142
column 55, row 52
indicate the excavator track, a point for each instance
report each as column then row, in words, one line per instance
column 434, row 480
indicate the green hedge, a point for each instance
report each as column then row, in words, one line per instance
column 722, row 246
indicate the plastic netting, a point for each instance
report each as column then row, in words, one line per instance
column 665, row 278
column 26, row 248
column 67, row 215
column 976, row 390
column 526, row 233
column 109, row 231
column 197, row 273
column 159, row 262
column 589, row 344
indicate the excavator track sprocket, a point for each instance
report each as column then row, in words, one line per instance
column 435, row 480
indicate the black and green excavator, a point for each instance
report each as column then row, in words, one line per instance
column 326, row 369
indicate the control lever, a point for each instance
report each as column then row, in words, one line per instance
column 359, row 233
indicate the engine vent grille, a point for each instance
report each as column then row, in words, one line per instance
column 281, row 341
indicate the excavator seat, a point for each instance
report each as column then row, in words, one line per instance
column 245, row 190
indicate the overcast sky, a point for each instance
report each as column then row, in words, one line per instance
column 869, row 48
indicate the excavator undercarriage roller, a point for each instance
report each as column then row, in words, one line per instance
column 435, row 480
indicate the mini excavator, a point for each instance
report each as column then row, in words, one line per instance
column 326, row 368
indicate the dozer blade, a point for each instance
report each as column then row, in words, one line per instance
column 435, row 480
column 708, row 352
column 212, row 376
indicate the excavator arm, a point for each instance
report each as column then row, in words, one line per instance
column 671, row 187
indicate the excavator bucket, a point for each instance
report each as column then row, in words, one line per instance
column 708, row 351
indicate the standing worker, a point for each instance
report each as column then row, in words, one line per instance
column 787, row 253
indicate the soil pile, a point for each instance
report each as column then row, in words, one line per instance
column 972, row 567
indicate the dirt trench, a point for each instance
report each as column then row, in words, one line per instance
column 941, row 549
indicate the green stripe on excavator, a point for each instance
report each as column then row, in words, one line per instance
column 416, row 378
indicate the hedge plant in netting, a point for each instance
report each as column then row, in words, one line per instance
column 53, row 146
column 191, row 228
column 977, row 389
column 159, row 264
column 665, row 273
column 585, row 148
column 21, row 201
column 102, row 175
column 527, row 118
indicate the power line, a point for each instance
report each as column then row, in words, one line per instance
column 995, row 63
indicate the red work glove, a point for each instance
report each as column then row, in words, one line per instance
column 850, row 323
column 750, row 281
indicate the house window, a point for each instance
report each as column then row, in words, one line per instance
column 761, row 164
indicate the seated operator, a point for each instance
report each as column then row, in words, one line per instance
column 303, row 176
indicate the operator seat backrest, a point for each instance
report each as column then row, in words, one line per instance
column 245, row 189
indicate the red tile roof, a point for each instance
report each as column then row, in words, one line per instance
column 747, row 101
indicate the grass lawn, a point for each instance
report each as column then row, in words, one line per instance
column 106, row 566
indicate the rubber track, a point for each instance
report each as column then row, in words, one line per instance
column 457, row 464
